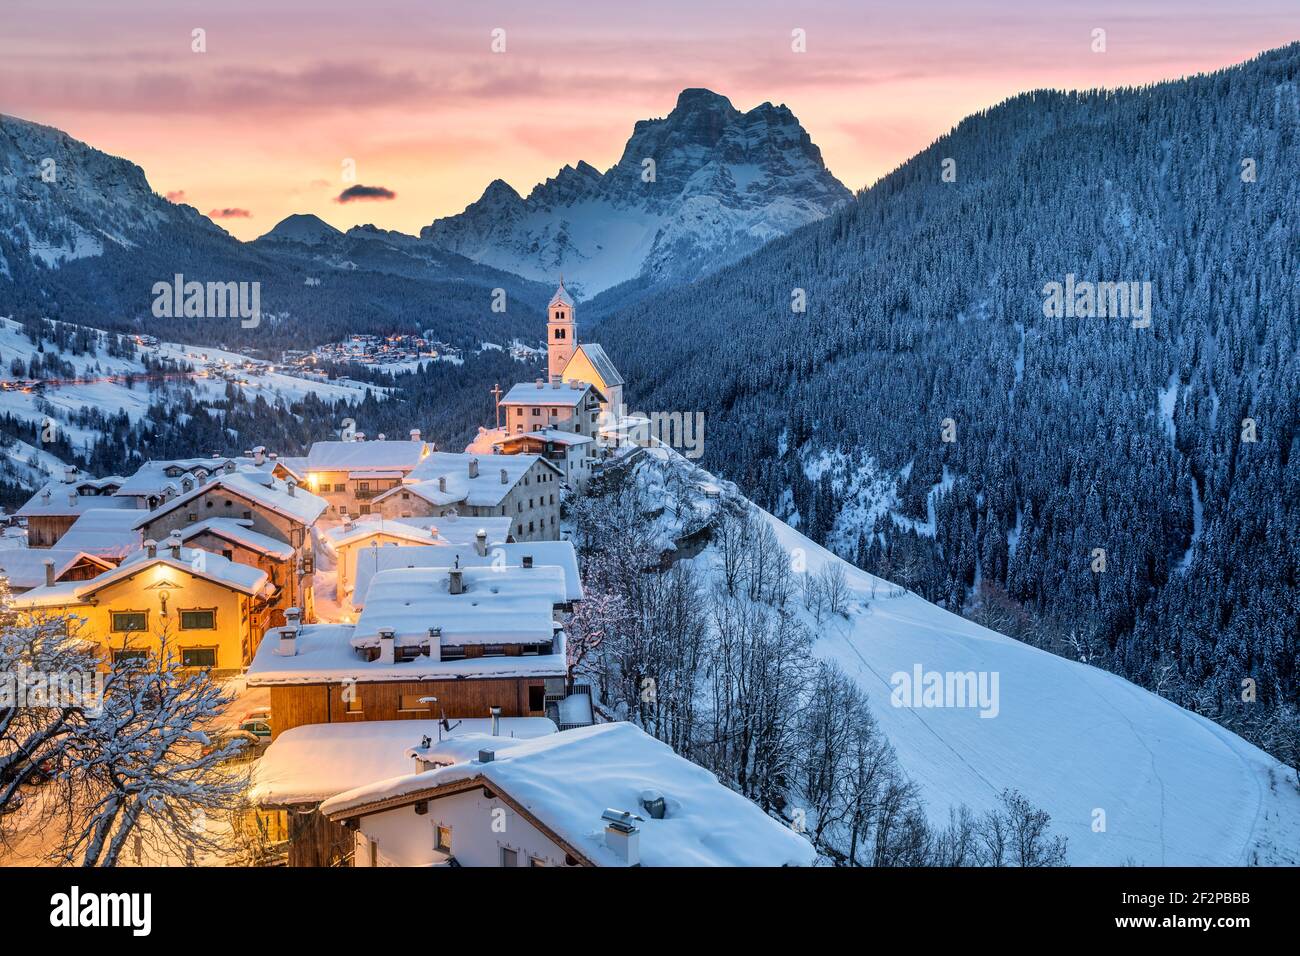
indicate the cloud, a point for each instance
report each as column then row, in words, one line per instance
column 361, row 193
column 176, row 195
column 230, row 213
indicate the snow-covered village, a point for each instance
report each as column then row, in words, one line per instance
column 850, row 449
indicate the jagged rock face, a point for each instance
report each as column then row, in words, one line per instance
column 721, row 183
column 61, row 200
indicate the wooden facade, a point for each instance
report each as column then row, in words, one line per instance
column 293, row 705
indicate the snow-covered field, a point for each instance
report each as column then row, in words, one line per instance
column 1127, row 776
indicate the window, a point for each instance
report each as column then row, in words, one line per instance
column 198, row 657
column 130, row 621
column 537, row 697
column 412, row 702
column 559, row 333
column 199, row 620
column 442, row 838
column 351, row 699
column 208, row 503
column 363, row 486
column 537, row 412
column 509, row 857
column 228, row 554
column 130, row 655
column 365, row 509
column 191, row 517
column 494, row 650
column 519, row 413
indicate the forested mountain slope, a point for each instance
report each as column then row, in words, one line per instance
column 925, row 303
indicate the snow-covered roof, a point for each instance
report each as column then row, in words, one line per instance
column 372, row 561
column 203, row 564
column 72, row 498
column 324, row 655
column 487, row 490
column 457, row 530
column 565, row 781
column 399, row 456
column 569, row 393
column 553, row 435
column 258, row 487
column 313, row 762
column 561, row 296
column 601, row 362
column 107, row 532
column 25, row 567
column 372, row 525
column 498, row 605
column 153, row 476
column 239, row 531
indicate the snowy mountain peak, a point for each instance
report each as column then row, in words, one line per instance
column 692, row 191
column 302, row 227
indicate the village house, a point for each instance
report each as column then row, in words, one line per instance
column 606, row 795
column 526, row 554
column 353, row 537
column 50, row 512
column 524, row 488
column 434, row 642
column 260, row 503
column 107, row 533
column 569, row 360
column 27, row 568
column 154, row 481
column 212, row 610
column 568, row 451
column 309, row 764
column 541, row 406
column 236, row 540
column 349, row 475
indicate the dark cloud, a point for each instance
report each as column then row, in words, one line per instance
column 230, row 213
column 361, row 193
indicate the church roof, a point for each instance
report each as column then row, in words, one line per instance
column 561, row 296
column 601, row 362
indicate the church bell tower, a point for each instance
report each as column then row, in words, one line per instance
column 561, row 332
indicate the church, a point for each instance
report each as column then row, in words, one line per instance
column 569, row 360
column 562, row 417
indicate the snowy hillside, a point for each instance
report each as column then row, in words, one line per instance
column 1175, row 789
column 723, row 183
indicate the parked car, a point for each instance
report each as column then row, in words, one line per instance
column 240, row 744
column 258, row 726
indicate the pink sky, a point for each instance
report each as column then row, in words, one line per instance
column 259, row 126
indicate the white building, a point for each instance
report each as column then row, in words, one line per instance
column 606, row 795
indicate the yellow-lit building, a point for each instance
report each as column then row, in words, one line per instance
column 212, row 610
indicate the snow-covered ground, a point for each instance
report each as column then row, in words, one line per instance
column 1127, row 776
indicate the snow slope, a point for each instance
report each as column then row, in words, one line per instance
column 1176, row 789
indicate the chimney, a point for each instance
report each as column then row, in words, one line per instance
column 505, row 478
column 360, row 436
column 273, row 456
column 230, row 466
column 347, row 523
column 248, row 453
column 259, row 455
column 487, row 756
column 415, row 434
column 455, row 581
column 290, row 485
column 480, row 542
column 435, row 643
column 556, row 381
column 151, row 548
column 442, row 483
column 496, row 720
column 622, row 835
column 289, row 633
column 69, row 474
column 174, row 544
column 540, row 382
column 528, row 560
column 574, row 383
column 382, row 436
column 473, row 467
column 49, row 572
column 72, row 499
column 387, row 638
